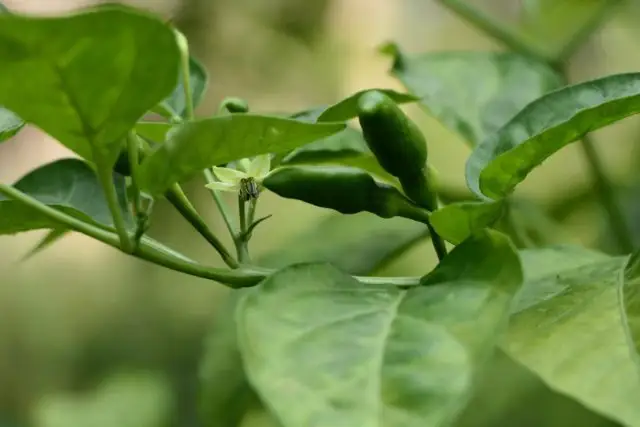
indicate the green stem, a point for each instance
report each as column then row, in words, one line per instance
column 607, row 194
column 133, row 150
column 586, row 30
column 495, row 29
column 178, row 199
column 437, row 242
column 241, row 238
column 186, row 75
column 105, row 177
column 222, row 206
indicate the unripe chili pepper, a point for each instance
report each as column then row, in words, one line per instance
column 398, row 145
column 344, row 189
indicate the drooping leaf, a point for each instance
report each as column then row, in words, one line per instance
column 357, row 244
column 457, row 221
column 630, row 300
column 348, row 108
column 348, row 352
column 49, row 239
column 90, row 76
column 472, row 93
column 69, row 185
column 546, row 125
column 200, row 144
column 175, row 104
column 10, row 124
column 567, row 328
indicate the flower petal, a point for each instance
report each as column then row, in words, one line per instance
column 260, row 166
column 228, row 175
column 243, row 164
column 223, row 186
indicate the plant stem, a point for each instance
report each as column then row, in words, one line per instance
column 105, row 177
column 186, row 75
column 178, row 199
column 134, row 159
column 242, row 238
column 607, row 194
column 437, row 242
column 495, row 29
column 222, row 206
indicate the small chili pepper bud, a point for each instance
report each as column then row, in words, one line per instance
column 398, row 145
column 344, row 189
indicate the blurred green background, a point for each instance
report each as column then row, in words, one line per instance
column 89, row 337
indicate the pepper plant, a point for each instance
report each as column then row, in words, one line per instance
column 313, row 335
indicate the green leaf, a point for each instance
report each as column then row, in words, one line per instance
column 347, row 353
column 546, row 125
column 472, row 93
column 203, row 143
column 630, row 300
column 175, row 104
column 49, row 239
column 153, row 131
column 348, row 108
column 10, row 124
column 69, row 185
column 458, row 221
column 567, row 328
column 357, row 243
column 342, row 145
column 90, row 76
column 3, row 8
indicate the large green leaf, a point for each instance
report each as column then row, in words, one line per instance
column 546, row 125
column 69, row 185
column 10, row 124
column 348, row 108
column 472, row 93
column 355, row 243
column 630, row 299
column 567, row 328
column 457, row 221
column 175, row 105
column 197, row 145
column 375, row 355
column 86, row 79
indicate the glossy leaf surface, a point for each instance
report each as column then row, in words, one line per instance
column 87, row 78
column 545, row 126
column 472, row 93
column 348, row 353
column 204, row 143
column 348, row 108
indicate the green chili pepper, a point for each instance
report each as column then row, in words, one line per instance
column 398, row 145
column 344, row 189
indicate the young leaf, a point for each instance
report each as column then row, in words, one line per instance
column 348, row 108
column 567, row 328
column 630, row 300
column 10, row 124
column 546, row 125
column 472, row 93
column 200, row 144
column 69, row 185
column 88, row 74
column 457, row 221
column 175, row 104
column 361, row 355
column 357, row 244
column 49, row 239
